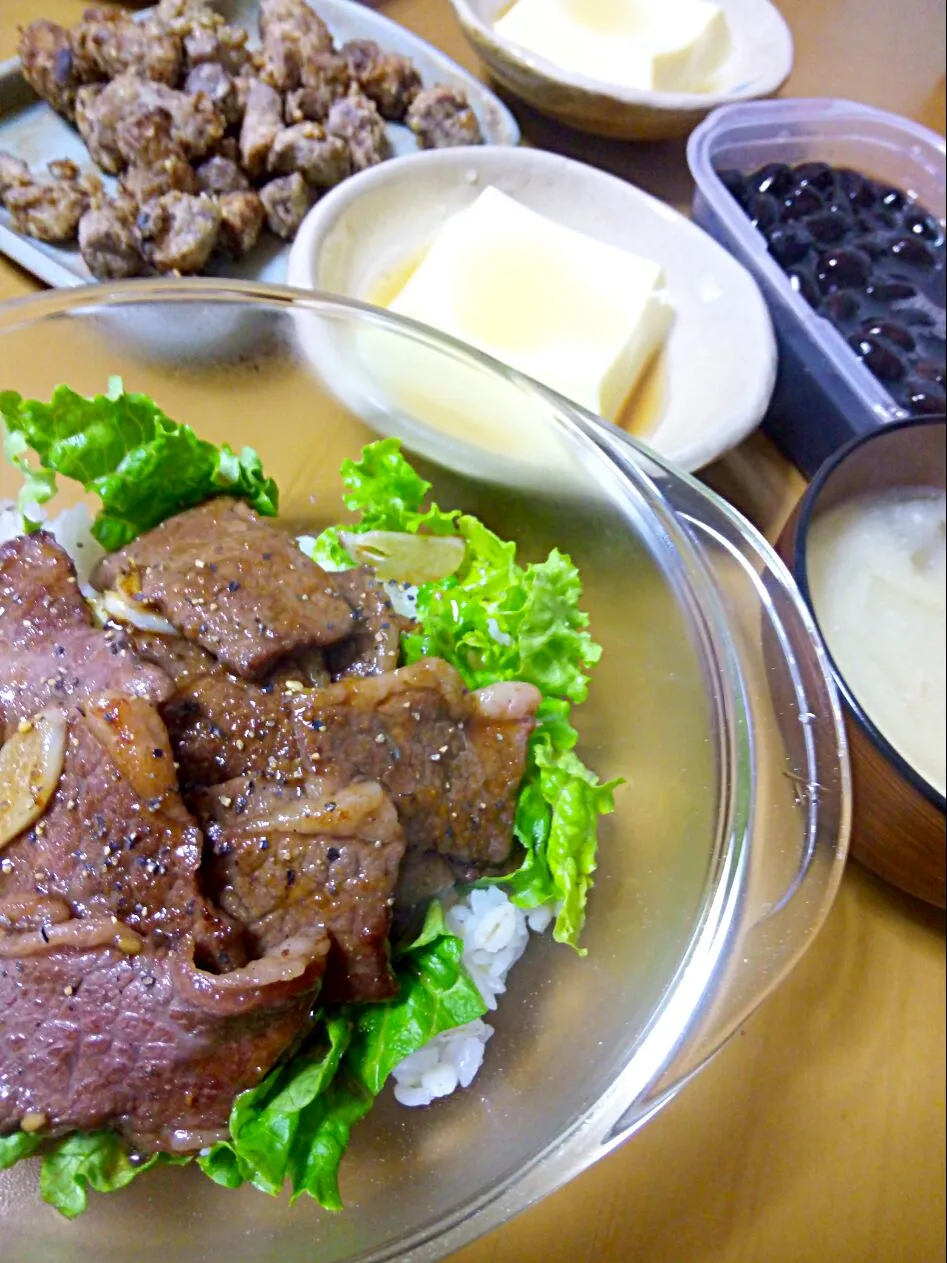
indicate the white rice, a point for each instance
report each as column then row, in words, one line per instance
column 495, row 932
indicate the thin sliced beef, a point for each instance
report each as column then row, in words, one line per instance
column 235, row 584
column 375, row 645
column 286, row 855
column 126, row 996
column 50, row 652
column 451, row 759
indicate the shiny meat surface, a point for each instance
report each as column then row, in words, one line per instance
column 322, row 160
column 356, row 120
column 242, row 217
column 293, row 37
column 50, row 651
column 45, row 52
column 286, row 201
column 441, row 118
column 108, row 242
column 235, row 584
column 223, row 45
column 339, row 866
column 262, row 123
column 107, row 43
column 177, row 232
column 452, row 760
column 392, row 82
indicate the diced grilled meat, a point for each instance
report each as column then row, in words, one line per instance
column 197, row 123
column 107, row 43
column 108, row 242
column 355, row 119
column 286, row 202
column 221, row 175
column 235, row 584
column 452, row 760
column 222, row 45
column 389, row 80
column 13, row 172
column 210, row 78
column 46, row 56
column 328, row 78
column 177, row 232
column 322, row 160
column 288, row 854
column 293, row 38
column 242, row 217
column 49, row 210
column 262, row 123
column 441, row 118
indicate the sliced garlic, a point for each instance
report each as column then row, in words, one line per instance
column 30, row 767
column 125, row 609
column 408, row 558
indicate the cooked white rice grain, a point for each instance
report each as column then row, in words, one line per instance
column 495, row 933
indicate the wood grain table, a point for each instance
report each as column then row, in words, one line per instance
column 817, row 1134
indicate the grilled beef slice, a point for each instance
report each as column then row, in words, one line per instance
column 233, row 583
column 126, row 998
column 451, row 759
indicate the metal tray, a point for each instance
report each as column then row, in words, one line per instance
column 35, row 132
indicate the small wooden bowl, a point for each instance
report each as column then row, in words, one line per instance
column 898, row 818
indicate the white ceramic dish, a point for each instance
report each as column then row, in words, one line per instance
column 713, row 379
column 33, row 131
column 760, row 61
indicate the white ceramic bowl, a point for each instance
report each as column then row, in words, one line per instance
column 760, row 61
column 713, row 379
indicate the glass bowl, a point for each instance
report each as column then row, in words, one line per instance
column 713, row 700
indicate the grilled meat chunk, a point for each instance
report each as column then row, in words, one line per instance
column 392, row 82
column 235, row 584
column 177, row 232
column 286, row 201
column 322, row 160
column 441, row 118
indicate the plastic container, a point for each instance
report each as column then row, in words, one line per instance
column 713, row 699
column 824, row 395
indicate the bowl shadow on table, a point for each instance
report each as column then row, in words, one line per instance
column 737, row 1100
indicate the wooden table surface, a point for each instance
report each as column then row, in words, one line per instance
column 817, row 1135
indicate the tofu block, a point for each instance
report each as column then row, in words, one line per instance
column 652, row 45
column 576, row 314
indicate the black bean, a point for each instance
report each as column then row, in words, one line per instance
column 881, row 360
column 788, row 245
column 857, row 188
column 841, row 306
column 931, row 371
column 890, row 291
column 875, row 246
column 818, row 175
column 925, row 397
column 890, row 332
column 763, row 210
column 912, row 250
column 892, row 198
column 803, row 282
column 922, row 225
column 843, row 269
column 802, row 202
column 735, row 184
column 775, row 178
column 828, row 226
